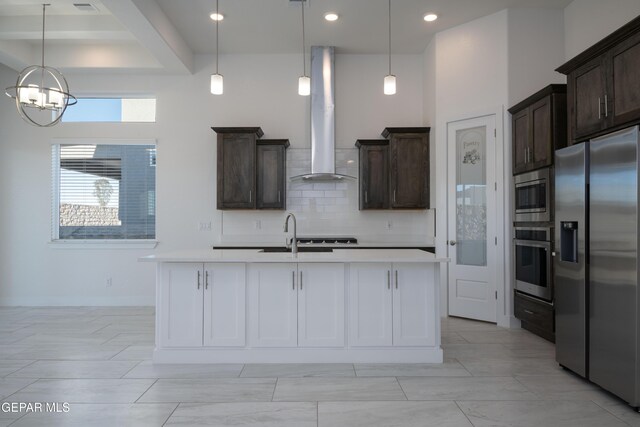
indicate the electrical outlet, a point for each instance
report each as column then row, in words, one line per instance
column 389, row 225
column 257, row 225
column 109, row 282
column 204, row 226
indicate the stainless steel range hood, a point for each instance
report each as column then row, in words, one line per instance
column 323, row 117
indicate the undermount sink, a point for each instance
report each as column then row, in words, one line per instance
column 282, row 249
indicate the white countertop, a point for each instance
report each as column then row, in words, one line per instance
column 338, row 255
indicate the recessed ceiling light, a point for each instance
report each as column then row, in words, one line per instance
column 217, row 16
column 430, row 17
column 331, row 17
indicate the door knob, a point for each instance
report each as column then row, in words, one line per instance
column 452, row 242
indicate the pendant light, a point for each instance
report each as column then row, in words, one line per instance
column 390, row 79
column 41, row 93
column 304, row 82
column 217, row 81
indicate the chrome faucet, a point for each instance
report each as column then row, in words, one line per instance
column 294, row 239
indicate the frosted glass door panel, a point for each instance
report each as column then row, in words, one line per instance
column 471, row 196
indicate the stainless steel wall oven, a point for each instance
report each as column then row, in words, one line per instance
column 533, row 263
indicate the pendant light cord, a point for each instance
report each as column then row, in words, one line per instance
column 217, row 37
column 389, row 37
column 304, row 62
column 44, row 6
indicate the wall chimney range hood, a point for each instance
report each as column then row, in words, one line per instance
column 323, row 124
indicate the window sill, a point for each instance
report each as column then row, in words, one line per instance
column 103, row 244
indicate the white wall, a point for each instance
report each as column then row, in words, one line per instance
column 535, row 51
column 588, row 21
column 260, row 90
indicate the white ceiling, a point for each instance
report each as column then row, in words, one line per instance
column 164, row 35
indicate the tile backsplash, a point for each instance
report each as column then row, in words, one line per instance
column 327, row 209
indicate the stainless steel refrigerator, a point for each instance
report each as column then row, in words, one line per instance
column 596, row 262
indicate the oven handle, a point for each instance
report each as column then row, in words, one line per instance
column 534, row 243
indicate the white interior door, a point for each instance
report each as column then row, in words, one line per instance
column 472, row 217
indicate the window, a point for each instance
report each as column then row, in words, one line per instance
column 112, row 110
column 104, row 191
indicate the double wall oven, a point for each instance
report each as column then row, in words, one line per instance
column 533, row 233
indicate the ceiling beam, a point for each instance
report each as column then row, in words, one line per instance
column 63, row 27
column 151, row 27
column 16, row 54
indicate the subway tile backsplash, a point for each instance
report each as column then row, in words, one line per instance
column 327, row 208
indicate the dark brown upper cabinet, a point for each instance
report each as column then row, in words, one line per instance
column 237, row 167
column 271, row 173
column 408, row 167
column 539, row 127
column 374, row 173
column 603, row 85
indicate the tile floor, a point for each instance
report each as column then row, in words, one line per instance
column 98, row 360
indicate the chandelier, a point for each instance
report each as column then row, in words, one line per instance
column 41, row 93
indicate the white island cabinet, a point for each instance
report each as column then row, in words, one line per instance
column 204, row 305
column 296, row 305
column 348, row 306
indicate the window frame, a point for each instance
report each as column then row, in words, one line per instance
column 55, row 239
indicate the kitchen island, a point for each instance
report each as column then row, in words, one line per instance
column 344, row 306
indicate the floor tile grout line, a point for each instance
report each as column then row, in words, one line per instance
column 242, row 370
column 608, row 411
column 132, row 368
column 171, row 414
column 317, row 414
column 4, row 399
column 463, row 413
column 145, row 392
column 402, row 389
column 126, row 347
column 274, row 389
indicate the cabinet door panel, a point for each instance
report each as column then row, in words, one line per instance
column 410, row 171
column 625, row 86
column 520, row 131
column 181, row 305
column 273, row 305
column 541, row 138
column 236, row 171
column 321, row 305
column 374, row 177
column 413, row 305
column 271, row 177
column 589, row 90
column 370, row 308
column 224, row 305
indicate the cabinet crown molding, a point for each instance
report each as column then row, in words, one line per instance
column 250, row 130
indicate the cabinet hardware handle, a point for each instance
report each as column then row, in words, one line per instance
column 529, row 312
column 198, row 279
column 606, row 106
column 366, row 197
column 293, row 280
column 300, row 280
column 278, row 197
column 394, row 196
column 206, row 279
column 396, row 279
column 599, row 108
column 526, row 157
column 250, row 196
column 388, row 279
